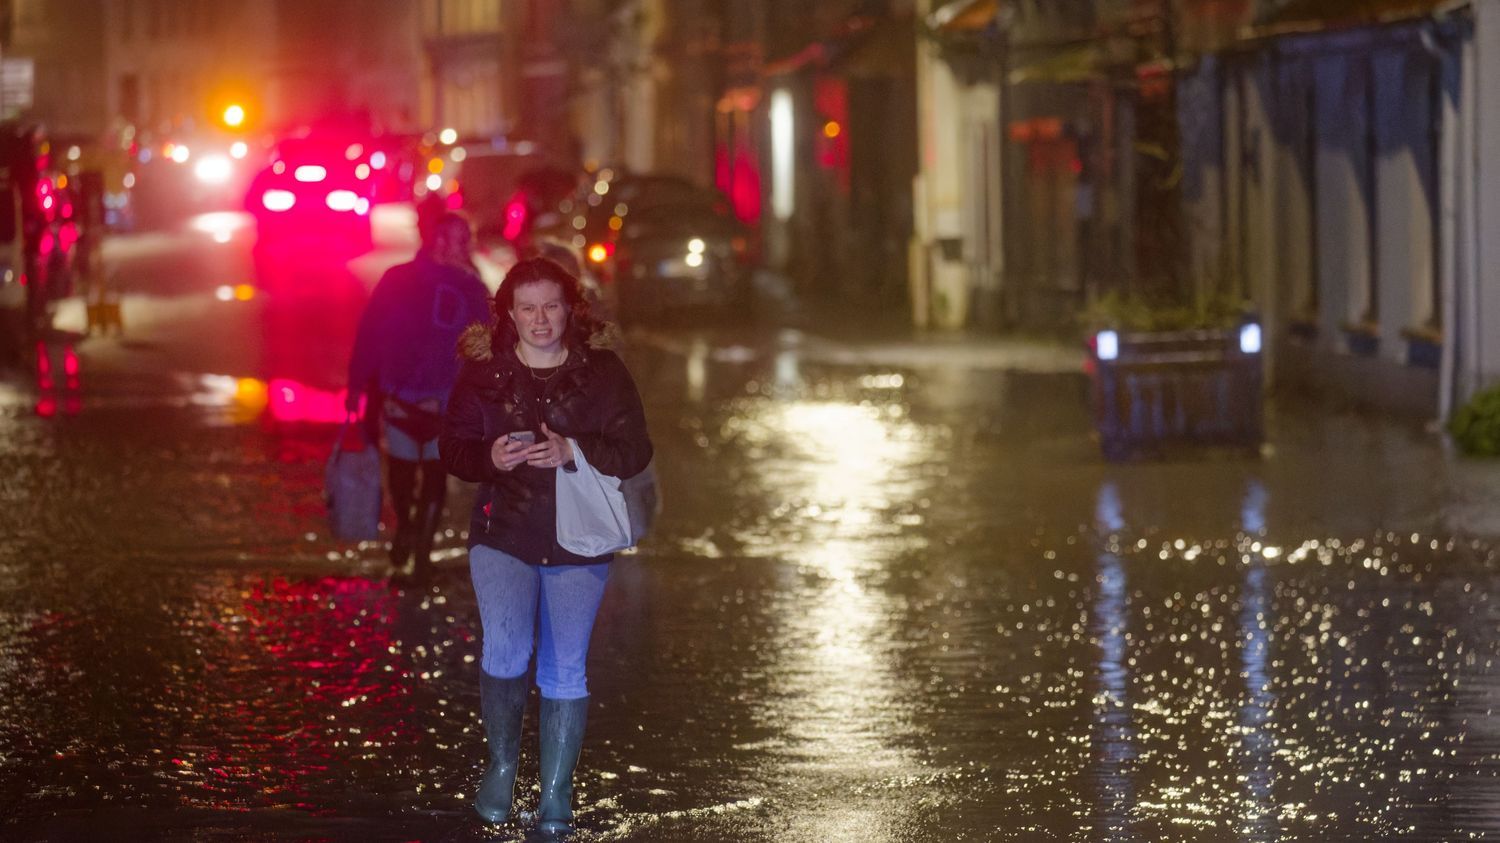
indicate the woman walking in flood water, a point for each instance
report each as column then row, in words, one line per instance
column 531, row 389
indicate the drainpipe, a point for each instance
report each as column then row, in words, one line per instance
column 1449, row 178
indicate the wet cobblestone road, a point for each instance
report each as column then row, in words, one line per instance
column 885, row 602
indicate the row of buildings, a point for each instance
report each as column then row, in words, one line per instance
column 168, row 65
column 803, row 113
column 1333, row 166
column 998, row 164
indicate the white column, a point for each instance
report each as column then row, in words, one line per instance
column 940, row 280
column 982, row 202
column 1262, row 209
column 1343, row 226
column 1403, row 240
column 1486, row 182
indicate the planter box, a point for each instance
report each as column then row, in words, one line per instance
column 1154, row 389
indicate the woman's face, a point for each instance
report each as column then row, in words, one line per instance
column 541, row 315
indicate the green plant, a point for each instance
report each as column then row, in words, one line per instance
column 1476, row 426
column 1141, row 312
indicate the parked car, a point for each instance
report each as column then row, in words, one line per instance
column 682, row 255
column 502, row 188
column 177, row 174
column 596, row 216
column 313, row 200
column 109, row 169
column 570, row 258
column 39, row 220
column 536, row 204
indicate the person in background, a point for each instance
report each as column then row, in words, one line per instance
column 404, row 362
column 534, row 386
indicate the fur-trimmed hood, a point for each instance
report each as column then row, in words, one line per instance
column 477, row 342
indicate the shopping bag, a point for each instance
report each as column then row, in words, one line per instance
column 642, row 501
column 351, row 485
column 592, row 518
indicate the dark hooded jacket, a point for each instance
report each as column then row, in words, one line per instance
column 404, row 347
column 590, row 398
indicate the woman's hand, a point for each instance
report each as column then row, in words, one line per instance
column 554, row 452
column 507, row 453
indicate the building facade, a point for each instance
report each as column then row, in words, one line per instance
column 471, row 66
column 1360, row 209
column 177, row 66
column 63, row 41
column 815, row 137
column 1331, row 172
column 172, row 66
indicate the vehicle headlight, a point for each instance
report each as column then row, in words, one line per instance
column 213, row 169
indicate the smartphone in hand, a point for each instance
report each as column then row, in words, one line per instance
column 527, row 436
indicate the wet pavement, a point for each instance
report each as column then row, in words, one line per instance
column 895, row 595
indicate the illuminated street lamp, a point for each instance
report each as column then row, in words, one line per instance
column 234, row 116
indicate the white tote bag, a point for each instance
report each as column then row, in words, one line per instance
column 592, row 518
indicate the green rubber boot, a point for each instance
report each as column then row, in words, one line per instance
column 563, row 722
column 501, row 703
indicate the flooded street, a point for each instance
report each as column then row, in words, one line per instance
column 889, row 599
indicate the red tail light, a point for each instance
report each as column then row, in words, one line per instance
column 515, row 218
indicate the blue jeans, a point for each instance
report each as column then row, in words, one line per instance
column 554, row 608
column 401, row 446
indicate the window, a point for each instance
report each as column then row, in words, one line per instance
column 462, row 17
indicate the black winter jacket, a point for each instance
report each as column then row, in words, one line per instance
column 590, row 398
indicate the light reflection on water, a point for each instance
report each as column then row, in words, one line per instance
column 1112, row 704
column 837, row 462
column 915, row 621
column 1258, row 745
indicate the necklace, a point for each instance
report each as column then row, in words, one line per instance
column 532, row 370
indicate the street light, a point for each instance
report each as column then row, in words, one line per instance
column 234, row 116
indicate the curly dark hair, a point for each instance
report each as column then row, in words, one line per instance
column 582, row 323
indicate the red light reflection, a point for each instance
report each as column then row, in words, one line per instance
column 350, row 652
column 49, row 396
column 291, row 401
column 515, row 218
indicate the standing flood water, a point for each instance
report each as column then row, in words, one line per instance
column 884, row 603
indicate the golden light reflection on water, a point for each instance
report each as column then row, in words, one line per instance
column 838, row 466
column 851, row 454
